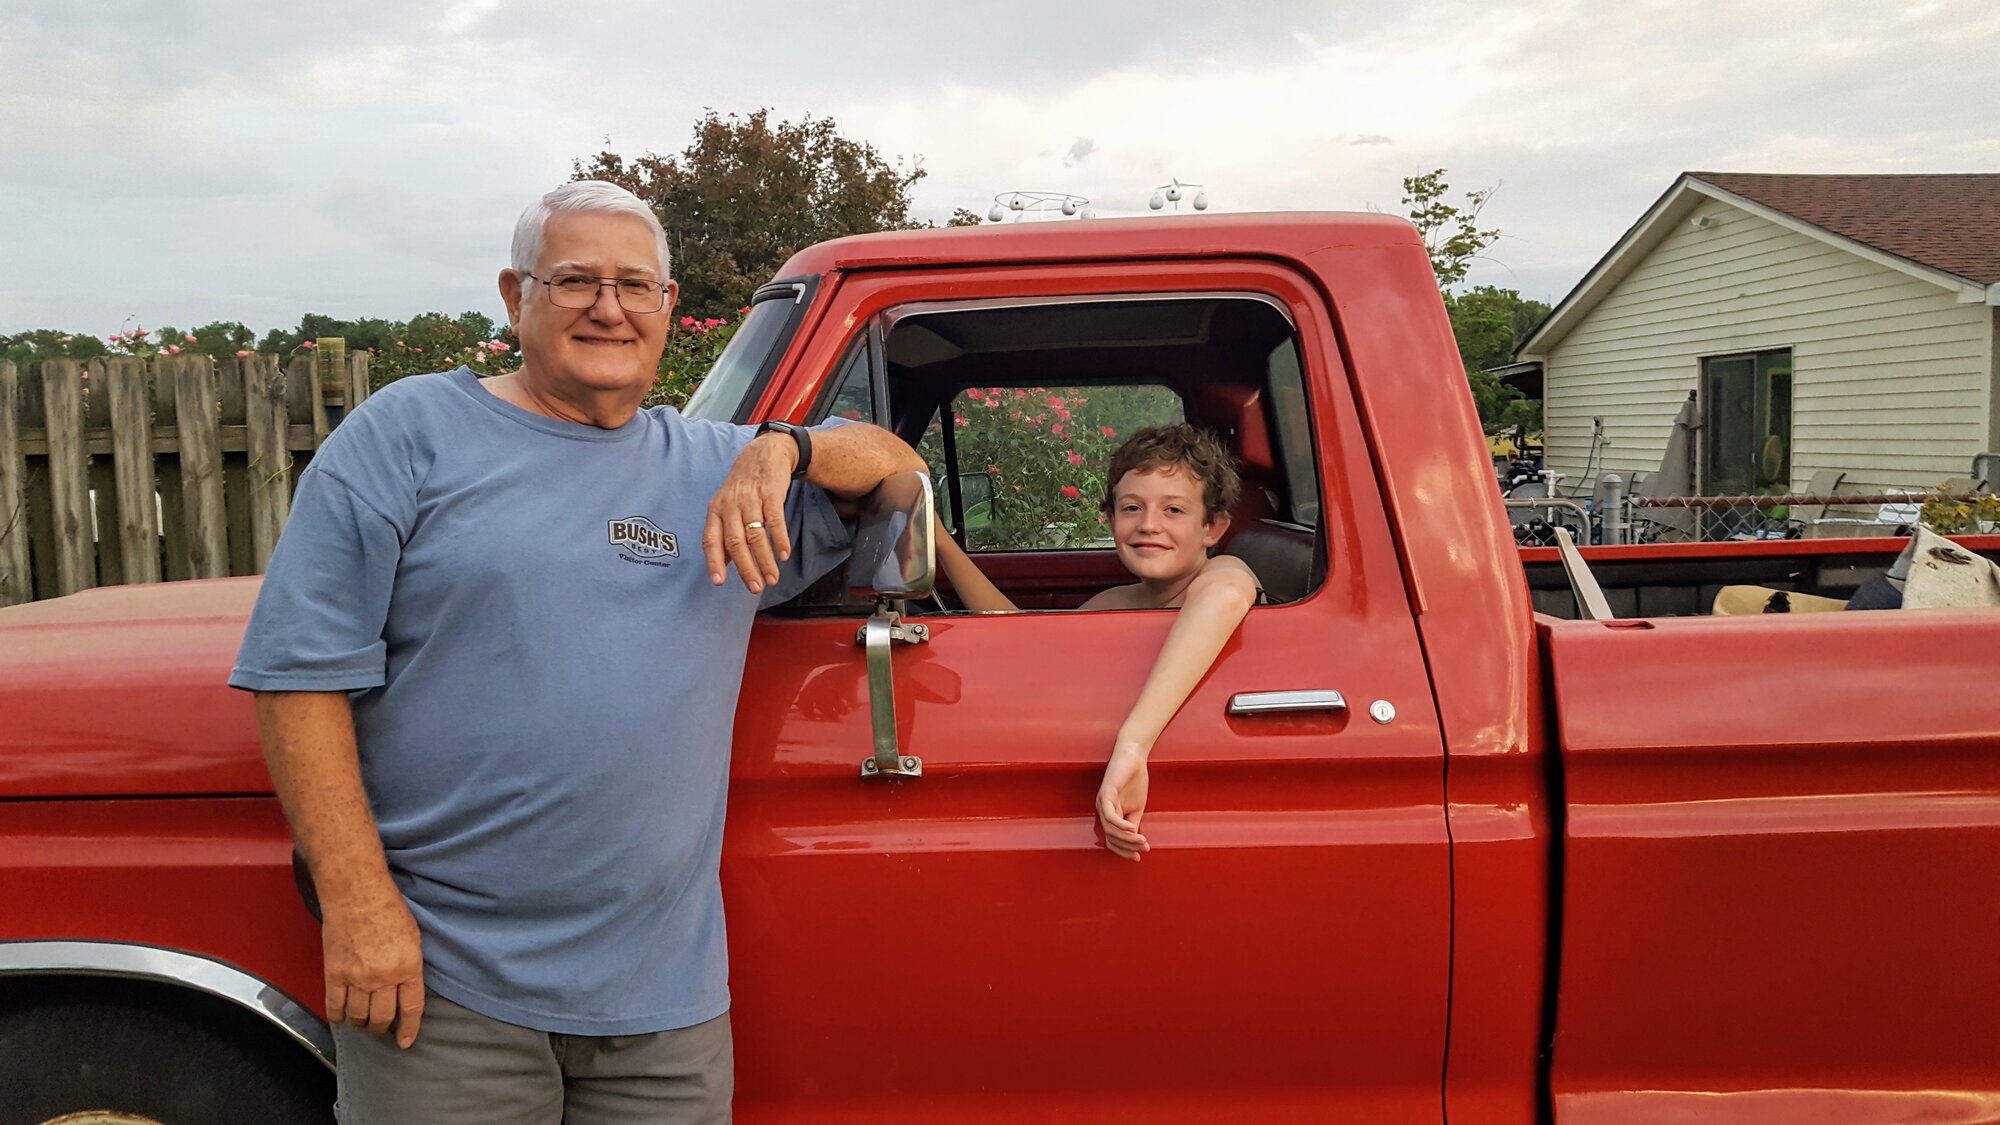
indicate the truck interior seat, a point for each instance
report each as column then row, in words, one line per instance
column 1284, row 555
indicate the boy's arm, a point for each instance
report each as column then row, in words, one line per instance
column 975, row 590
column 1216, row 603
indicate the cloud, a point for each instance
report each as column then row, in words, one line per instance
column 226, row 160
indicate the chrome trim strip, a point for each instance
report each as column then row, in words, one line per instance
column 145, row 962
column 1272, row 702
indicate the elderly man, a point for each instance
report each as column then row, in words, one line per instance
column 496, row 690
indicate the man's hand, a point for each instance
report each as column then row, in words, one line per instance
column 374, row 967
column 373, row 954
column 746, row 520
column 1121, row 801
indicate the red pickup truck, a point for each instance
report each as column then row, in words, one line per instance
column 1421, row 853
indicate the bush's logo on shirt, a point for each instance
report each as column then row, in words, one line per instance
column 643, row 537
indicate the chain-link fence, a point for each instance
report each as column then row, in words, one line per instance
column 1615, row 517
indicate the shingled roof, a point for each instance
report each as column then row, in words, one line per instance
column 1942, row 228
column 1949, row 222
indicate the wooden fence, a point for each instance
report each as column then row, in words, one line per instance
column 125, row 470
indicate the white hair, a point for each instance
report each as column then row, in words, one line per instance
column 581, row 196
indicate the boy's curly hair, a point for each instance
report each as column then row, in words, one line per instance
column 1182, row 446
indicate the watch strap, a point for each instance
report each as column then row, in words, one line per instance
column 799, row 435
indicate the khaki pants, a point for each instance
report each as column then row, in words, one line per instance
column 470, row 1069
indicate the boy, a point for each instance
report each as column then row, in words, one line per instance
column 1168, row 499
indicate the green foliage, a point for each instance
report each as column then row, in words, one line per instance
column 427, row 342
column 397, row 348
column 747, row 194
column 961, row 217
column 50, row 343
column 692, row 348
column 223, row 337
column 1451, row 233
column 433, row 332
column 1490, row 324
column 1947, row 515
column 1045, row 451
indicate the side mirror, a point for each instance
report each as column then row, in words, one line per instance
column 975, row 491
column 892, row 560
column 893, row 555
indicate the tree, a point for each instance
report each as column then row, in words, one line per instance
column 1489, row 323
column 50, row 343
column 748, row 194
column 963, row 217
column 223, row 337
column 1451, row 234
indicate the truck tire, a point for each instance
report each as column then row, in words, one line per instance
column 108, row 1059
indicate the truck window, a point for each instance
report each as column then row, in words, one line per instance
column 1293, row 429
column 1038, row 393
column 744, row 368
column 851, row 393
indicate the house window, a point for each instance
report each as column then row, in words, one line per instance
column 1746, row 436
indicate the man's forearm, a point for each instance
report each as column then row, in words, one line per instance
column 851, row 460
column 309, row 746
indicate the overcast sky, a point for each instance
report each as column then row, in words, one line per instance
column 183, row 162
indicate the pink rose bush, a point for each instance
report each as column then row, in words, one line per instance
column 1046, row 453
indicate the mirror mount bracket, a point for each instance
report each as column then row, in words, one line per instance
column 878, row 635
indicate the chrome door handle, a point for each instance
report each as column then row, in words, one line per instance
column 1271, row 702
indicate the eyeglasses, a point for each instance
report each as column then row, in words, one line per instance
column 579, row 291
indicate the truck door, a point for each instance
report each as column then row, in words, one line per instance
column 958, row 945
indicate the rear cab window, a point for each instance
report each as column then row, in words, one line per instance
column 1030, row 461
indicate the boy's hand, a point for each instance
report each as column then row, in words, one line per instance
column 1121, row 801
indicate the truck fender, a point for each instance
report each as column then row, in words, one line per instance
column 170, row 966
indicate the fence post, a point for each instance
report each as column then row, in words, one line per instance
column 69, row 476
column 330, row 355
column 270, row 461
column 357, row 381
column 201, row 465
column 1611, row 497
column 232, row 435
column 165, row 444
column 16, row 584
column 102, row 499
column 130, row 401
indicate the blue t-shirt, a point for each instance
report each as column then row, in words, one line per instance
column 544, row 682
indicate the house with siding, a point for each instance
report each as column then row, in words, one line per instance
column 1821, row 322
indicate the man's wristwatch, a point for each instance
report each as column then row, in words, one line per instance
column 799, row 434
